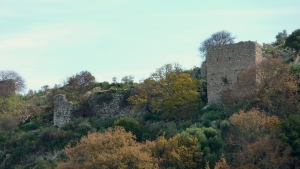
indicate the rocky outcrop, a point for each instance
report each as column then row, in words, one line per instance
column 200, row 72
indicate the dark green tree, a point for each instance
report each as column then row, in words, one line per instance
column 291, row 133
column 293, row 41
column 130, row 125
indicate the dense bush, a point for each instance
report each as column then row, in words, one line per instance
column 100, row 124
column 291, row 133
column 130, row 125
column 210, row 143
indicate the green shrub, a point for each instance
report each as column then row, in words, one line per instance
column 104, row 97
column 45, row 164
column 130, row 124
column 171, row 130
column 21, row 145
column 185, row 124
column 206, row 123
column 152, row 116
column 291, row 133
column 83, row 129
column 29, row 126
column 210, row 143
column 152, row 131
column 51, row 139
column 73, row 125
column 101, row 124
column 4, row 137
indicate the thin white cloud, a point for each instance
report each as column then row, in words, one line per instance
column 237, row 13
column 47, row 36
column 257, row 12
column 5, row 12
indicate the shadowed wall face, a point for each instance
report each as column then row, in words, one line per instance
column 225, row 62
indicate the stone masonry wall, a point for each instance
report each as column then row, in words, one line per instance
column 225, row 62
column 62, row 110
column 101, row 105
column 110, row 107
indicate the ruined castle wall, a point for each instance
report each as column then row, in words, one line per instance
column 225, row 62
column 109, row 106
column 101, row 105
column 62, row 110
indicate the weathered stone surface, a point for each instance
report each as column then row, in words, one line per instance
column 100, row 104
column 200, row 72
column 225, row 62
column 204, row 69
column 62, row 110
column 108, row 104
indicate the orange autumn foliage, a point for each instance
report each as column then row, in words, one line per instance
column 113, row 149
column 254, row 141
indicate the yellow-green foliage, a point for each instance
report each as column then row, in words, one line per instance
column 168, row 91
column 11, row 105
column 178, row 152
column 12, row 109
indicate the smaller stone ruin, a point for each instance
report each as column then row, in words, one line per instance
column 62, row 110
column 99, row 104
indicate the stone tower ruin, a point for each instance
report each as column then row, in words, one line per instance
column 225, row 62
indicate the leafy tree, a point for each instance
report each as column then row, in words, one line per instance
column 113, row 149
column 209, row 141
column 80, row 83
column 13, row 110
column 168, row 91
column 281, row 37
column 293, row 41
column 128, row 79
column 291, row 133
column 130, row 125
column 221, row 164
column 10, row 81
column 178, row 152
column 221, row 37
column 268, row 85
column 254, row 143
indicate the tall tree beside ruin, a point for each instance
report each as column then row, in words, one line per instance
column 268, row 86
column 10, row 82
column 221, row 37
column 293, row 41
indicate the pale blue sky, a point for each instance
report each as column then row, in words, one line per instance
column 48, row 40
